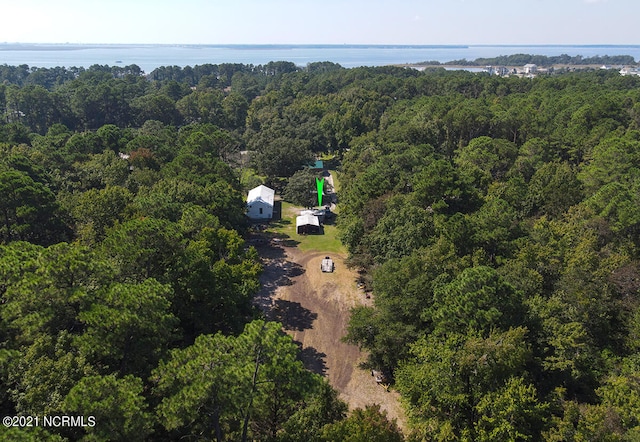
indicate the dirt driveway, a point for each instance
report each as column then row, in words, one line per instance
column 314, row 309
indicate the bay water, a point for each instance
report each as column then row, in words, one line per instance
column 150, row 57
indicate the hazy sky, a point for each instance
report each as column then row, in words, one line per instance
column 321, row 21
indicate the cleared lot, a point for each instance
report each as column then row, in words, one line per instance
column 314, row 308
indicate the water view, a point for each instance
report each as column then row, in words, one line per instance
column 149, row 57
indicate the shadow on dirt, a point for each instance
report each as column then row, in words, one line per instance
column 313, row 360
column 277, row 270
column 292, row 315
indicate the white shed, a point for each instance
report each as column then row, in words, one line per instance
column 307, row 224
column 260, row 203
column 319, row 213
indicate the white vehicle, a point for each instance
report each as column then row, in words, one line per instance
column 327, row 265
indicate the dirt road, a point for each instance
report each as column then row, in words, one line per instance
column 314, row 308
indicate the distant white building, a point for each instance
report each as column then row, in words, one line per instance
column 497, row 70
column 629, row 71
column 260, row 203
column 530, row 68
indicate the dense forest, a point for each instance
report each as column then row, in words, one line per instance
column 496, row 220
column 542, row 60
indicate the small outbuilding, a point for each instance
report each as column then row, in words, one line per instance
column 307, row 223
column 260, row 203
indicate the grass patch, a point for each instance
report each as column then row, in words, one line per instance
column 286, row 229
column 328, row 242
column 326, row 156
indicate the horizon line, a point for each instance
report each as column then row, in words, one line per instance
column 424, row 45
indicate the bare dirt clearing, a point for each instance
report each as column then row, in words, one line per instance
column 314, row 308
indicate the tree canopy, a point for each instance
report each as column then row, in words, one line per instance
column 493, row 218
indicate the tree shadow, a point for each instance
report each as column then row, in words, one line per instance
column 330, row 219
column 313, row 360
column 284, row 240
column 292, row 315
column 294, row 269
column 277, row 272
column 281, row 223
column 281, row 238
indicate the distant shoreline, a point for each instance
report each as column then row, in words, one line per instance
column 469, row 66
column 6, row 46
column 152, row 56
column 328, row 45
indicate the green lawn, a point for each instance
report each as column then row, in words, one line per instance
column 286, row 229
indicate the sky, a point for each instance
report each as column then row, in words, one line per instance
column 412, row 22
